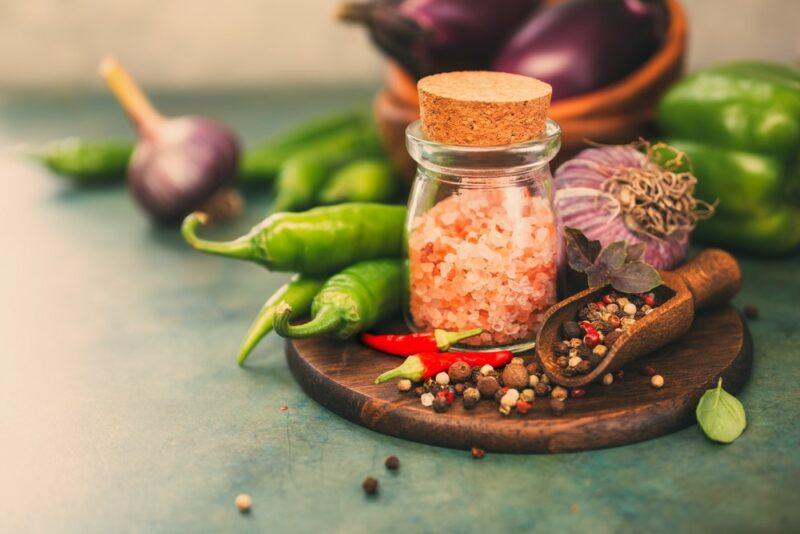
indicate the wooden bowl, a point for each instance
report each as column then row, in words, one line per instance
column 618, row 113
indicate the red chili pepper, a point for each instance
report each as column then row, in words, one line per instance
column 408, row 344
column 588, row 327
column 591, row 339
column 427, row 364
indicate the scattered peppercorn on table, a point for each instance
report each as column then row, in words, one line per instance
column 123, row 408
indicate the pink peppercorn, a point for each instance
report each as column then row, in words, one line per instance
column 447, row 395
column 650, row 299
column 607, row 299
column 523, row 407
column 577, row 392
column 591, row 339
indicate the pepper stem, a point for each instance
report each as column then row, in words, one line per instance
column 412, row 368
column 241, row 248
column 130, row 96
column 445, row 339
column 326, row 321
column 356, row 12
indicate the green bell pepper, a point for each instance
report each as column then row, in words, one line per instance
column 739, row 123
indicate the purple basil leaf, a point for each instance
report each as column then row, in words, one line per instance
column 581, row 253
column 636, row 277
column 612, row 258
column 635, row 251
column 597, row 276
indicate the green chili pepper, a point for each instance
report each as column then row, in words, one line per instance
column 365, row 180
column 318, row 241
column 303, row 175
column 87, row 162
column 739, row 123
column 261, row 163
column 299, row 293
column 349, row 302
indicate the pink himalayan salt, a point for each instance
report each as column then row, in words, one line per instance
column 484, row 258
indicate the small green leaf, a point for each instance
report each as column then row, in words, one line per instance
column 581, row 252
column 636, row 277
column 635, row 251
column 721, row 415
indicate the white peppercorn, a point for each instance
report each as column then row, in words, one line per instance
column 608, row 379
column 442, row 378
column 404, row 384
column 426, row 399
column 657, row 381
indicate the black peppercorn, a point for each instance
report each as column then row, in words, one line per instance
column 562, row 361
column 584, row 351
column 561, row 348
column 419, row 390
column 370, row 486
column 542, row 389
column 583, row 367
column 533, row 367
column 471, row 397
column 571, row 329
column 458, row 389
column 392, row 462
column 440, row 405
column 515, row 376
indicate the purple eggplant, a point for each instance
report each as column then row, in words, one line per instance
column 430, row 36
column 579, row 46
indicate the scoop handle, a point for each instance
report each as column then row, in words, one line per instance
column 713, row 277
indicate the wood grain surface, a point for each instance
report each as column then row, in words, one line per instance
column 339, row 375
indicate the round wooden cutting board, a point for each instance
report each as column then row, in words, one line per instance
column 340, row 374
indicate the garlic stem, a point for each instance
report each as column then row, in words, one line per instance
column 135, row 103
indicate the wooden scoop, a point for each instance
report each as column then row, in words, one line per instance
column 710, row 278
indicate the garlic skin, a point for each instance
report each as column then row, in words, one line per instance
column 581, row 202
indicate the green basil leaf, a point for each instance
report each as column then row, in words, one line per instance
column 636, row 277
column 612, row 257
column 721, row 415
column 581, row 252
column 635, row 251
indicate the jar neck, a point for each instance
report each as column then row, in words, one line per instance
column 470, row 164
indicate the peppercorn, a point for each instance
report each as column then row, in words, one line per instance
column 404, row 385
column 459, row 372
column 477, row 453
column 504, row 409
column 647, row 370
column 562, row 361
column 595, row 359
column 440, row 405
column 577, row 392
column 591, row 339
column 500, row 393
column 442, row 378
column 608, row 299
column 569, row 371
column 533, row 367
column 612, row 309
column 522, row 406
column 533, row 380
column 447, row 395
column 244, row 503
column 527, row 395
column 392, row 463
column 751, row 311
column 557, row 406
column 613, row 322
column 541, row 389
column 476, row 372
column 657, row 381
column 561, row 348
column 488, row 386
column 608, row 379
column 600, row 350
column 510, row 397
column 517, row 360
column 544, row 379
column 515, row 376
column 574, row 361
column 459, row 389
column 559, row 393
column 419, row 390
column 583, row 367
column 471, row 397
column 629, row 308
column 487, row 370
column 584, row 351
column 370, row 486
column 575, row 342
column 571, row 329
column 426, row 399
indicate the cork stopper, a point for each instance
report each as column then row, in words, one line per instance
column 481, row 108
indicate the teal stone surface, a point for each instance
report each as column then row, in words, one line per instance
column 122, row 408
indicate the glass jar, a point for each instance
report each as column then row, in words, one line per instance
column 481, row 238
